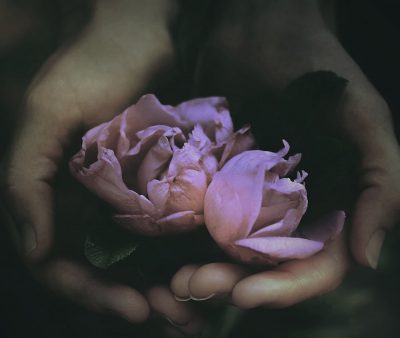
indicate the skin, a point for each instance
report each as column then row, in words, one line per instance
column 253, row 40
column 108, row 66
column 87, row 81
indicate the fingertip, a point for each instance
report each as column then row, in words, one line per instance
column 163, row 302
column 127, row 303
column 30, row 207
column 373, row 216
column 81, row 284
column 32, row 247
column 215, row 279
column 180, row 282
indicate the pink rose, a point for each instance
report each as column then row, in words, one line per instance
column 153, row 163
column 253, row 211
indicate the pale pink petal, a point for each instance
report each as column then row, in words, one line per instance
column 92, row 135
column 158, row 192
column 147, row 138
column 172, row 224
column 153, row 163
column 301, row 176
column 239, row 142
column 148, row 111
column 283, row 167
column 188, row 157
column 211, row 113
column 233, row 199
column 278, row 248
column 109, row 136
column 104, row 178
column 199, row 139
column 285, row 226
column 187, row 191
column 326, row 228
column 284, row 204
column 209, row 163
column 181, row 221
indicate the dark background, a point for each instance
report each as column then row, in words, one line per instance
column 366, row 305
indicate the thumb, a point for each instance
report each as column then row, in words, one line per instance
column 375, row 213
column 31, row 166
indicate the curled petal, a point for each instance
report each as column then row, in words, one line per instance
column 284, row 204
column 277, row 249
column 326, row 228
column 283, row 227
column 104, row 178
column 233, row 199
column 187, row 191
column 154, row 162
column 199, row 139
column 158, row 192
column 181, row 221
column 211, row 113
column 148, row 111
column 186, row 158
column 239, row 142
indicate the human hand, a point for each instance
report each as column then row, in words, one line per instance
column 85, row 82
column 267, row 45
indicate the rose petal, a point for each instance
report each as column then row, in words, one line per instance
column 158, row 192
column 186, row 158
column 199, row 139
column 326, row 228
column 181, row 221
column 146, row 139
column 187, row 191
column 172, row 224
column 154, row 162
column 148, row 111
column 279, row 248
column 280, row 198
column 233, row 199
column 211, row 113
column 284, row 227
column 104, row 178
column 239, row 142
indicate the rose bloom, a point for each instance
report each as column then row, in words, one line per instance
column 153, row 163
column 253, row 211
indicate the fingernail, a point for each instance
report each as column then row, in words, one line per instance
column 28, row 238
column 374, row 248
column 181, row 299
column 205, row 298
column 175, row 324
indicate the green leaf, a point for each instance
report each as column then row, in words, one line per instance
column 106, row 245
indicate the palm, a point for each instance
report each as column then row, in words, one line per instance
column 264, row 61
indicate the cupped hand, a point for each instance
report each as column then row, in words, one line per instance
column 125, row 45
column 268, row 44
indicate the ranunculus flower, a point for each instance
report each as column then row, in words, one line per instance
column 253, row 211
column 153, row 163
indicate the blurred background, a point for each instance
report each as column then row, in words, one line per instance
column 366, row 305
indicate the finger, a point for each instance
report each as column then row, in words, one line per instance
column 294, row 281
column 180, row 282
column 376, row 212
column 31, row 167
column 215, row 280
column 180, row 315
column 82, row 286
